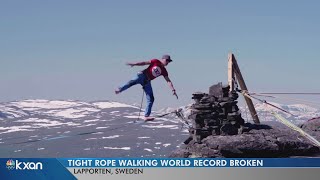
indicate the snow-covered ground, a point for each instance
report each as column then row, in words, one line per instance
column 103, row 128
column 44, row 128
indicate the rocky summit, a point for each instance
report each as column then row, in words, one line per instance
column 258, row 141
column 253, row 140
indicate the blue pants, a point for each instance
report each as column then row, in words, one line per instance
column 142, row 79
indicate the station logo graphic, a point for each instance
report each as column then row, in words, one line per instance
column 11, row 164
column 19, row 165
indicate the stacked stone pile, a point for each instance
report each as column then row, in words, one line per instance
column 215, row 113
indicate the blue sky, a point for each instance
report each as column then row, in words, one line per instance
column 77, row 49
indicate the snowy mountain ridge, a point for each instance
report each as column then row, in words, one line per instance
column 64, row 109
column 70, row 109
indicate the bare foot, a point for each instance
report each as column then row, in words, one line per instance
column 117, row 91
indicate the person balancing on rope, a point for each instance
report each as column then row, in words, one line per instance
column 156, row 68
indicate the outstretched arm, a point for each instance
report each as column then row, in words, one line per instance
column 171, row 85
column 139, row 63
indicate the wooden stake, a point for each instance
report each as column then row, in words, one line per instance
column 244, row 88
column 230, row 73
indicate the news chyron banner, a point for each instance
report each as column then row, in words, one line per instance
column 155, row 168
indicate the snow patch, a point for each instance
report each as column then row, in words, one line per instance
column 143, row 137
column 133, row 117
column 68, row 113
column 149, row 150
column 93, row 120
column 118, row 148
column 106, row 105
column 102, row 127
column 38, row 123
column 15, row 129
column 87, row 125
column 10, row 112
column 33, row 120
column 166, row 145
column 44, row 104
column 111, row 137
column 160, row 126
column 91, row 139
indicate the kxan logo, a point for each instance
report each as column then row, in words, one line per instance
column 23, row 165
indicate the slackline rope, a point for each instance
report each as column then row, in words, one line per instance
column 287, row 98
column 292, row 93
column 292, row 99
column 264, row 101
column 295, row 128
column 285, row 121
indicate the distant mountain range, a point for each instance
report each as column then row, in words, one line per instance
column 301, row 112
column 69, row 109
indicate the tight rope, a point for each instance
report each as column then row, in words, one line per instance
column 287, row 98
column 295, row 128
column 292, row 99
column 291, row 93
column 285, row 121
column 264, row 101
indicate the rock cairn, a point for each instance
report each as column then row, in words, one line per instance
column 215, row 113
